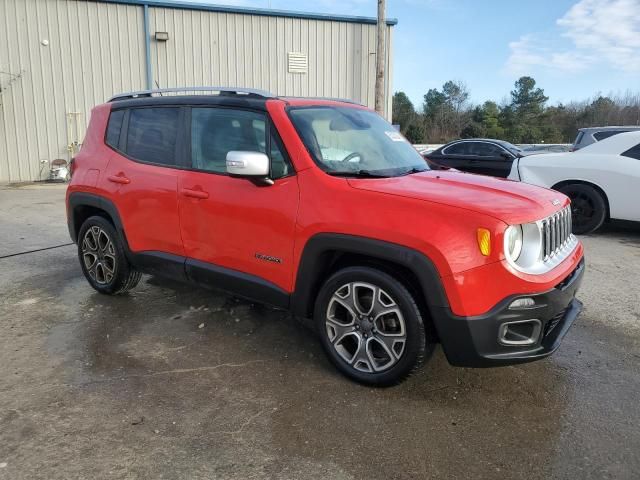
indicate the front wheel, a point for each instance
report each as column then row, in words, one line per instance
column 588, row 207
column 370, row 326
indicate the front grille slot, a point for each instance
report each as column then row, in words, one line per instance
column 556, row 232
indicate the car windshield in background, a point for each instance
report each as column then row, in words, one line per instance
column 512, row 148
column 355, row 142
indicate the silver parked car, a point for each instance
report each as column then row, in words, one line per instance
column 587, row 136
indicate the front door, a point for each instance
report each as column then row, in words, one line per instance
column 236, row 230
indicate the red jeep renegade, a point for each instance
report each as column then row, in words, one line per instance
column 323, row 208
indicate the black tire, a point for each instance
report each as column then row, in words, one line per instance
column 116, row 275
column 415, row 346
column 588, row 207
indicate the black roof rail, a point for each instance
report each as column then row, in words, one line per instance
column 251, row 92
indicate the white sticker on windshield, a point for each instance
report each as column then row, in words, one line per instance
column 395, row 136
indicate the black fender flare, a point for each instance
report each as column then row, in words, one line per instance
column 81, row 199
column 313, row 263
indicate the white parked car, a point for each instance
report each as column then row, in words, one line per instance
column 602, row 179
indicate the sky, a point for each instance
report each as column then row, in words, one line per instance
column 574, row 49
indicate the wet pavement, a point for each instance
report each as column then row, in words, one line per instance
column 171, row 381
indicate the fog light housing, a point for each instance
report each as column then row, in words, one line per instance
column 520, row 303
column 520, row 332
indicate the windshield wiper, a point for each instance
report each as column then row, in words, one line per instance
column 414, row 170
column 359, row 174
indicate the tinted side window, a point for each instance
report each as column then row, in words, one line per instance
column 606, row 134
column 456, row 149
column 633, row 152
column 578, row 138
column 114, row 127
column 217, row 131
column 280, row 165
column 152, row 135
column 484, row 149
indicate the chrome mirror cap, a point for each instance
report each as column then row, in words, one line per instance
column 247, row 164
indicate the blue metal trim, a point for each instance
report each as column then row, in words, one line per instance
column 147, row 47
column 252, row 11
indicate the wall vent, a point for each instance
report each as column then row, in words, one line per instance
column 297, row 62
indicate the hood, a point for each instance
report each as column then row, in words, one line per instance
column 509, row 201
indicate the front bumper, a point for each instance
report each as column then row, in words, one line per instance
column 474, row 341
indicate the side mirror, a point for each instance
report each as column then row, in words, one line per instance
column 247, row 164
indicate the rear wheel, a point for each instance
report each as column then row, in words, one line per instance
column 588, row 207
column 370, row 326
column 102, row 258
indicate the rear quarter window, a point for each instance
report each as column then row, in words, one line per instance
column 633, row 152
column 579, row 138
column 606, row 134
column 114, row 127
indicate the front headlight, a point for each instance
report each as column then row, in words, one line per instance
column 513, row 239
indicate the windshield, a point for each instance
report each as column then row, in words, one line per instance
column 352, row 141
column 512, row 148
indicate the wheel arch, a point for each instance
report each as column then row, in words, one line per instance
column 595, row 186
column 326, row 253
column 84, row 205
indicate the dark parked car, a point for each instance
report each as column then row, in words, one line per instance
column 476, row 155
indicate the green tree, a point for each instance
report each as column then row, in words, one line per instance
column 403, row 112
column 523, row 118
column 526, row 99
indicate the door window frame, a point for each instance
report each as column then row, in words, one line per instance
column 178, row 153
column 467, row 155
column 183, row 141
column 269, row 130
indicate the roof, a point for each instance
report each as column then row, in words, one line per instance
column 615, row 144
column 209, row 7
column 611, row 127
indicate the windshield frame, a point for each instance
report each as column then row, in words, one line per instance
column 377, row 173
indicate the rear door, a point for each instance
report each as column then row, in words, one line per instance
column 142, row 179
column 452, row 156
column 237, row 231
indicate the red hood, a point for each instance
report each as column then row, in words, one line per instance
column 509, row 201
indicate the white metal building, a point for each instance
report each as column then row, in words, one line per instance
column 58, row 58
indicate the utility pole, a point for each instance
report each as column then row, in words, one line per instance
column 380, row 58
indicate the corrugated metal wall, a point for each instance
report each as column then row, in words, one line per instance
column 95, row 49
column 251, row 51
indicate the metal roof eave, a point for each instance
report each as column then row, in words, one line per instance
column 251, row 11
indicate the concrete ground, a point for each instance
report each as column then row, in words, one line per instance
column 172, row 381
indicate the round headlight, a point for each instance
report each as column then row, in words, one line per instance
column 513, row 242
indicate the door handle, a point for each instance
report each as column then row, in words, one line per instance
column 120, row 178
column 200, row 194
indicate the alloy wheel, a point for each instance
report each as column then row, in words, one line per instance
column 99, row 256
column 365, row 326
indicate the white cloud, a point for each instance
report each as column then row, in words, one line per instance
column 603, row 32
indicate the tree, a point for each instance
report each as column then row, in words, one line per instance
column 522, row 119
column 446, row 112
column 403, row 112
column 526, row 99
